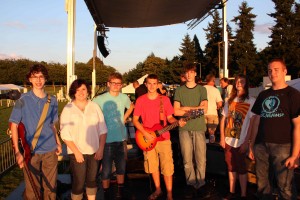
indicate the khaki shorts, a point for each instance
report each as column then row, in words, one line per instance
column 161, row 155
column 211, row 121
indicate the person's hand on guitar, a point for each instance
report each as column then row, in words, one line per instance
column 148, row 137
column 79, row 157
column 181, row 122
column 20, row 159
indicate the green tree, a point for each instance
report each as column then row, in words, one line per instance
column 153, row 64
column 243, row 50
column 134, row 74
column 57, row 73
column 102, row 71
column 198, row 50
column 213, row 37
column 175, row 69
column 285, row 35
column 187, row 49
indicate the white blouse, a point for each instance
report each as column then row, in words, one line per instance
column 82, row 127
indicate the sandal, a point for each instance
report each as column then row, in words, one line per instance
column 154, row 196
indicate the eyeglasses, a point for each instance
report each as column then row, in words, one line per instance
column 114, row 83
column 38, row 77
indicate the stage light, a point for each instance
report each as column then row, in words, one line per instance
column 101, row 46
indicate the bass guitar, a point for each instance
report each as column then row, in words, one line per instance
column 25, row 150
column 157, row 130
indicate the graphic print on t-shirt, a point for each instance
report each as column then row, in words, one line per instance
column 236, row 114
column 270, row 107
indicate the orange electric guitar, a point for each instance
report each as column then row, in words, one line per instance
column 25, row 150
column 157, row 130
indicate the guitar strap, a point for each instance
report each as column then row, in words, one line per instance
column 40, row 123
column 161, row 112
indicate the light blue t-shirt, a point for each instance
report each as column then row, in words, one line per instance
column 113, row 108
column 28, row 110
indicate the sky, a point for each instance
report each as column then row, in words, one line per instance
column 37, row 30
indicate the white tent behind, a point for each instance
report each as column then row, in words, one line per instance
column 129, row 89
column 10, row 87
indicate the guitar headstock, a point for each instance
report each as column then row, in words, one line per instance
column 193, row 114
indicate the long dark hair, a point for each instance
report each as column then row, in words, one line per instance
column 233, row 93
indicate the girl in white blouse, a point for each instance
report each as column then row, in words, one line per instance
column 83, row 129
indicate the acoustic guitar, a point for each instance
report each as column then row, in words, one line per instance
column 25, row 150
column 157, row 130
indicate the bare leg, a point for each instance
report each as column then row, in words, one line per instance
column 243, row 183
column 105, row 183
column 169, row 186
column 156, row 180
column 120, row 179
column 232, row 181
column 91, row 197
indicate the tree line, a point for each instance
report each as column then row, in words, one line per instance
column 243, row 56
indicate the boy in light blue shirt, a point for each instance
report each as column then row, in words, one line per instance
column 113, row 105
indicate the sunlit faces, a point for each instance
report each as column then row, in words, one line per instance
column 276, row 72
column 81, row 93
column 240, row 84
column 152, row 85
column 190, row 75
column 115, row 85
column 37, row 80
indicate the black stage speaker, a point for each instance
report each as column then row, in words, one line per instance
column 101, row 46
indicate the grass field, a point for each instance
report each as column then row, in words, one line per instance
column 14, row 177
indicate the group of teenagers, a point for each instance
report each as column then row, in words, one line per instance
column 266, row 129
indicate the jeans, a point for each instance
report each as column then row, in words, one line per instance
column 113, row 152
column 84, row 173
column 273, row 156
column 193, row 148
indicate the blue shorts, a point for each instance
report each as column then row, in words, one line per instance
column 114, row 151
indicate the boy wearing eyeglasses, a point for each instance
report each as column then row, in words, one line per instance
column 113, row 104
column 40, row 172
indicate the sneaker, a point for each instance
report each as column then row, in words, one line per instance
column 230, row 196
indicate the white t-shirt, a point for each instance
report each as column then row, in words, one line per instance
column 213, row 97
column 83, row 128
column 237, row 121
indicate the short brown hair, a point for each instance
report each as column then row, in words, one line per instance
column 152, row 76
column 115, row 75
column 210, row 77
column 281, row 61
column 190, row 67
column 226, row 80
